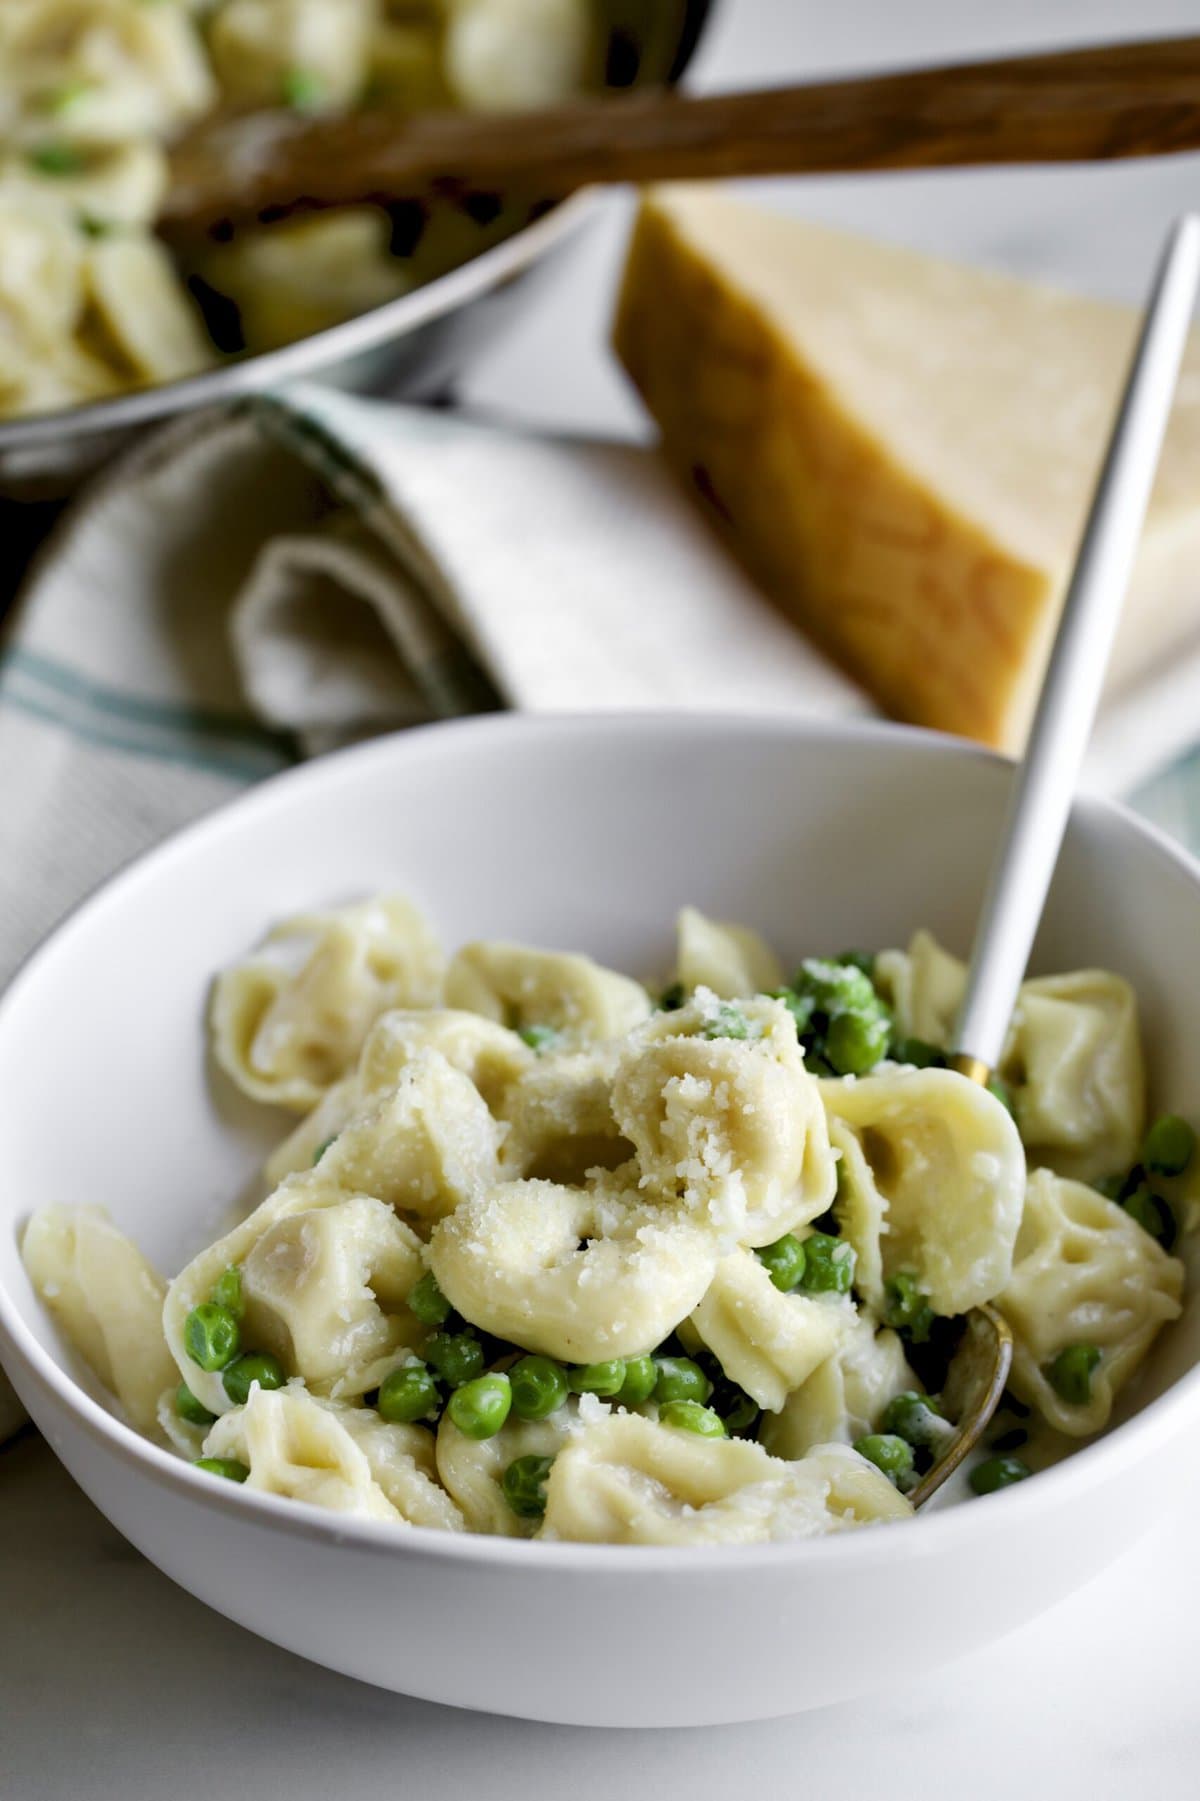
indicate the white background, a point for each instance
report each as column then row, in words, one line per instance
column 116, row 1686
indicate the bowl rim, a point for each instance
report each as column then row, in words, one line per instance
column 1100, row 1460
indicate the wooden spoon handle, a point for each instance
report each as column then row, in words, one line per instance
column 1120, row 100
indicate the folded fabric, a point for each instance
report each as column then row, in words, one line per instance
column 251, row 586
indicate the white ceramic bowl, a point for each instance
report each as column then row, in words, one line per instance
column 587, row 833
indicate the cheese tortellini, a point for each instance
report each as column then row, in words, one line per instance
column 1073, row 1058
column 933, row 1182
column 93, row 92
column 1085, row 1272
column 567, row 996
column 627, row 1480
column 724, row 1116
column 580, row 1274
column 550, row 1255
column 109, row 1301
column 289, row 1020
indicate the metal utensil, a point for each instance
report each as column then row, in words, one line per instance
column 1045, row 783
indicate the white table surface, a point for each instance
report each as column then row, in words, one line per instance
column 115, row 1685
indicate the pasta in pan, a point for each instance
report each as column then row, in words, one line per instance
column 555, row 1255
column 92, row 92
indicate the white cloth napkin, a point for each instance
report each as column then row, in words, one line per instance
column 251, row 586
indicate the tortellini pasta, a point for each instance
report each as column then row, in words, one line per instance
column 934, row 1183
column 543, row 1258
column 1072, row 1059
column 473, row 1469
column 402, row 1460
column 108, row 1300
column 289, row 1020
column 424, row 1148
column 108, row 71
column 557, row 992
column 515, row 54
column 257, row 45
column 1085, row 1272
column 577, row 1273
column 727, row 1119
column 324, row 1289
column 489, row 1055
column 845, row 1396
column 626, row 1480
column 324, row 1275
column 767, row 1342
column 560, row 1119
column 731, row 960
column 341, row 1459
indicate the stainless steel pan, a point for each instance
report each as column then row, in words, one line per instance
column 409, row 347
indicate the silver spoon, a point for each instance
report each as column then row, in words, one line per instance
column 1045, row 783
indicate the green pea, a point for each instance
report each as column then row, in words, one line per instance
column 210, row 1336
column 539, row 1387
column 227, row 1291
column 641, row 1374
column 918, row 1052
column 322, row 1148
column 229, row 1467
column 672, row 998
column 905, row 1308
column 456, row 1356
column 254, row 1366
column 1000, row 1089
column 998, row 1472
column 891, row 1454
column 1071, row 1373
column 679, row 1379
column 523, row 1483
column 727, row 1022
column 917, row 1419
column 690, row 1416
column 784, row 1261
column 605, row 1378
column 855, row 1042
column 57, row 159
column 741, row 1414
column 539, row 1038
column 836, row 987
column 409, row 1393
column 828, row 1265
column 190, row 1409
column 1151, row 1213
column 303, row 90
column 428, row 1302
column 480, row 1408
column 863, row 960
column 1168, row 1146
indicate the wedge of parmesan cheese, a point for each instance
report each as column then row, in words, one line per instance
column 900, row 450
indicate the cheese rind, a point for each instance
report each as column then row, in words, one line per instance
column 900, row 450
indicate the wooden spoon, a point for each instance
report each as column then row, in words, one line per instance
column 1046, row 781
column 1121, row 100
